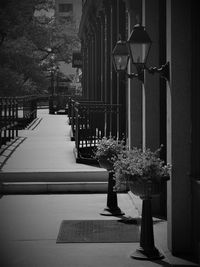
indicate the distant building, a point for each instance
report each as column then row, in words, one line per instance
column 68, row 13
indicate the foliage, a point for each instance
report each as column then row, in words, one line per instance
column 109, row 148
column 31, row 43
column 138, row 165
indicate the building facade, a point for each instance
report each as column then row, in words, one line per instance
column 155, row 111
column 68, row 11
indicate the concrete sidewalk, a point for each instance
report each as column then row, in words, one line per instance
column 42, row 161
column 43, row 155
column 29, row 227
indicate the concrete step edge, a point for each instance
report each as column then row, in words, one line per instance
column 46, row 188
column 71, row 176
column 51, row 183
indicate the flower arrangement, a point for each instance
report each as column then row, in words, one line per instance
column 109, row 149
column 141, row 166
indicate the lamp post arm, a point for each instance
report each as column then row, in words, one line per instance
column 163, row 70
column 132, row 75
column 139, row 75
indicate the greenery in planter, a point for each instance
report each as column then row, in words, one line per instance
column 140, row 166
column 109, row 149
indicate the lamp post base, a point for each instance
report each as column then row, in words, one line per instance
column 112, row 212
column 142, row 254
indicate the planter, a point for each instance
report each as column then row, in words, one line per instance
column 145, row 189
column 106, row 164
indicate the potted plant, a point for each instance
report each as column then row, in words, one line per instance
column 141, row 169
column 107, row 151
column 144, row 172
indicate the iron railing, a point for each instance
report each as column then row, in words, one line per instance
column 72, row 107
column 93, row 120
column 27, row 110
column 8, row 119
column 58, row 103
column 15, row 113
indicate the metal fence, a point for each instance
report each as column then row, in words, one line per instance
column 15, row 113
column 90, row 121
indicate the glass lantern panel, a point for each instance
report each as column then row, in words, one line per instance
column 139, row 52
column 121, row 61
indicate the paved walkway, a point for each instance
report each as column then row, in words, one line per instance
column 29, row 223
column 43, row 155
column 46, row 147
column 29, row 226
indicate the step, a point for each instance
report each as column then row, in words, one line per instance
column 53, row 188
column 55, row 176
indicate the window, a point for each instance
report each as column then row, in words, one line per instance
column 64, row 19
column 65, row 8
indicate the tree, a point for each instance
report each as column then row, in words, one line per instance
column 31, row 42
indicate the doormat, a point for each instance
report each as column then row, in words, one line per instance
column 97, row 231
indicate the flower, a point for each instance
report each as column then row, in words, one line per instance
column 140, row 165
column 109, row 149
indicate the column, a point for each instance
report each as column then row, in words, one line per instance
column 121, row 79
column 134, row 94
column 102, row 47
column 179, row 126
column 154, row 92
column 151, row 90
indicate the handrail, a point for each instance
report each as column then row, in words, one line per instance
column 8, row 119
column 93, row 120
column 28, row 107
column 15, row 114
column 72, row 104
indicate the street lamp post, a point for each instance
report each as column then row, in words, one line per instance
column 137, row 49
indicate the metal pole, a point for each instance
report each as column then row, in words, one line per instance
column 147, row 249
column 112, row 208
